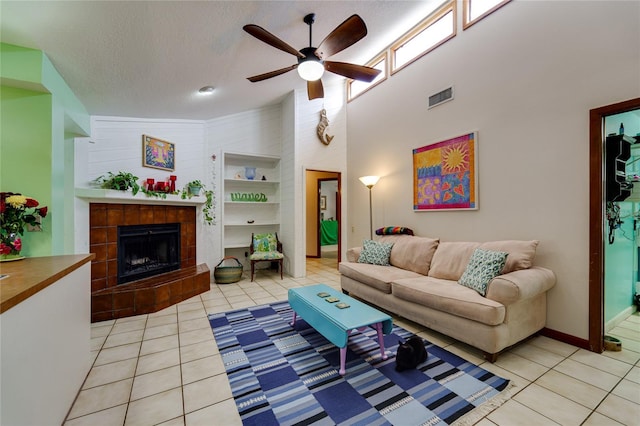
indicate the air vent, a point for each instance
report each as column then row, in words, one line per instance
column 440, row 97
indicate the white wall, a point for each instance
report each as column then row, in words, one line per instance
column 287, row 130
column 257, row 131
column 314, row 155
column 525, row 78
column 116, row 145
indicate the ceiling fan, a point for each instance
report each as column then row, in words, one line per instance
column 311, row 60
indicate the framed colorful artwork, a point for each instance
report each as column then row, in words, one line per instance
column 158, row 154
column 445, row 175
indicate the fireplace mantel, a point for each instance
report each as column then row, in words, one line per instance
column 126, row 197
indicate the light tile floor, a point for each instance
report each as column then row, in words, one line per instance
column 164, row 368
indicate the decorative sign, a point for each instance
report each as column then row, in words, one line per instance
column 158, row 154
column 445, row 175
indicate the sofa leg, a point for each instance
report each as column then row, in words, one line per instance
column 491, row 357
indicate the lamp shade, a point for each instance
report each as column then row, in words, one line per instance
column 369, row 181
column 310, row 69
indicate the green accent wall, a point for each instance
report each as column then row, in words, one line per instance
column 26, row 156
column 40, row 117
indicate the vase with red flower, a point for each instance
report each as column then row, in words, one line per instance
column 16, row 212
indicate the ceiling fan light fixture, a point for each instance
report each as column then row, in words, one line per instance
column 310, row 69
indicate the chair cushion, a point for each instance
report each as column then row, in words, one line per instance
column 266, row 255
column 265, row 242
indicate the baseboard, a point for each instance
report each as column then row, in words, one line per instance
column 566, row 338
column 613, row 323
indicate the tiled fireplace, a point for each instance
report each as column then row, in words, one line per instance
column 110, row 300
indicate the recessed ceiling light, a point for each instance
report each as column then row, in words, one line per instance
column 206, row 90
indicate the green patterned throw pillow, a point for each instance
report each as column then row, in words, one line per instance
column 375, row 253
column 483, row 266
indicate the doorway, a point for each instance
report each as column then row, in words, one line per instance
column 596, row 217
column 323, row 215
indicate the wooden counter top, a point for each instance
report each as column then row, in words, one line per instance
column 28, row 276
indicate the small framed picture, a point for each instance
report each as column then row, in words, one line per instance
column 323, row 202
column 158, row 154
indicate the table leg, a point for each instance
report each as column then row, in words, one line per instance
column 343, row 356
column 378, row 327
column 295, row 316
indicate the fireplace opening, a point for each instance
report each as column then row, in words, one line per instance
column 147, row 250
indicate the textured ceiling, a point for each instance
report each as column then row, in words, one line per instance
column 148, row 58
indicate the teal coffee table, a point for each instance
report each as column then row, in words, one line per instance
column 316, row 304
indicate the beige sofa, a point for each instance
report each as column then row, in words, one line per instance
column 421, row 284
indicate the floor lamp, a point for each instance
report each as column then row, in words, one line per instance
column 369, row 182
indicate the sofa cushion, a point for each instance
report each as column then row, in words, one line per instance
column 483, row 266
column 375, row 253
column 378, row 277
column 521, row 253
column 411, row 253
column 451, row 259
column 448, row 296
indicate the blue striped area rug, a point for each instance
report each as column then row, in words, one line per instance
column 279, row 375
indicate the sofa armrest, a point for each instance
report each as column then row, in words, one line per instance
column 353, row 254
column 519, row 285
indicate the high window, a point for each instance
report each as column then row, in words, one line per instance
column 424, row 37
column 355, row 87
column 475, row 10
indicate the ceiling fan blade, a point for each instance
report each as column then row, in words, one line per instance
column 315, row 89
column 343, row 36
column 265, row 36
column 275, row 73
column 356, row 72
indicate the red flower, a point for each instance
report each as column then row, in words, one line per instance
column 5, row 249
column 31, row 202
column 16, row 212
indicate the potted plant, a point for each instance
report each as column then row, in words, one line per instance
column 121, row 181
column 195, row 186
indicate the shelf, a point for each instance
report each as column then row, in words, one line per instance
column 252, row 224
column 250, row 182
column 268, row 161
column 261, row 203
column 236, row 232
column 236, row 246
column 126, row 197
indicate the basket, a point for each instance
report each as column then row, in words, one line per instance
column 227, row 274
